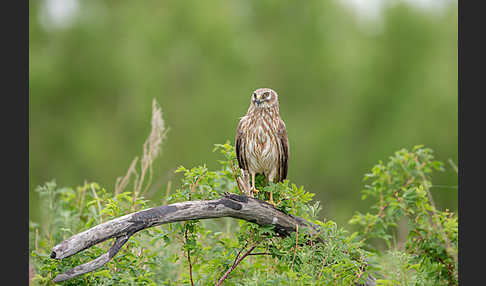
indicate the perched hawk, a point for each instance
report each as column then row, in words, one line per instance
column 261, row 141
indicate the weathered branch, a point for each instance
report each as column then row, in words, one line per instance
column 93, row 264
column 122, row 228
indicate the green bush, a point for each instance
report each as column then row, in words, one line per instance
column 202, row 251
column 401, row 190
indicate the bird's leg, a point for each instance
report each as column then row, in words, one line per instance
column 271, row 199
column 270, row 180
column 253, row 190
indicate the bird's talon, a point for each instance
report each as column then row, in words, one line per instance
column 254, row 191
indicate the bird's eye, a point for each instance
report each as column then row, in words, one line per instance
column 266, row 94
column 254, row 95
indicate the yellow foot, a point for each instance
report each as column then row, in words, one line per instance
column 254, row 191
column 271, row 199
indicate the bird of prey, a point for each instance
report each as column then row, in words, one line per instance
column 261, row 141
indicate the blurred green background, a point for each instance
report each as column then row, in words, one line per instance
column 355, row 83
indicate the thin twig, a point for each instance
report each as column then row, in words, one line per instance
column 383, row 207
column 322, row 268
column 235, row 263
column 236, row 259
column 238, row 254
column 260, row 253
column 193, row 186
column 361, row 270
column 295, row 248
column 189, row 259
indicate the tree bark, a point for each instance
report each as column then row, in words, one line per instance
column 122, row 228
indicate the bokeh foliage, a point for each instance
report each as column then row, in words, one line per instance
column 350, row 94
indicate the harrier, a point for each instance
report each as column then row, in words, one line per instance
column 261, row 141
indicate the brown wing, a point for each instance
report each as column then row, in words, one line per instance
column 283, row 151
column 240, row 142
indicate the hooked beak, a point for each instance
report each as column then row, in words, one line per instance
column 258, row 101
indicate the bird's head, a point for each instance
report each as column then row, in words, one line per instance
column 264, row 98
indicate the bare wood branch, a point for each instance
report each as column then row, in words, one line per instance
column 230, row 205
column 94, row 264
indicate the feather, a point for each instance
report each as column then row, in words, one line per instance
column 239, row 146
column 284, row 151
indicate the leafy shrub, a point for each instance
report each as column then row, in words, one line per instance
column 203, row 252
column 401, row 189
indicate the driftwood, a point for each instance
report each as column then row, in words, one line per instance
column 122, row 228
